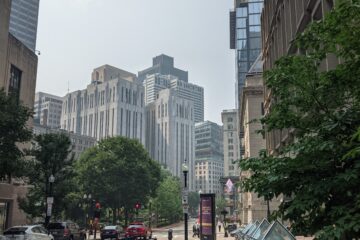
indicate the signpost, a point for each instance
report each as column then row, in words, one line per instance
column 207, row 217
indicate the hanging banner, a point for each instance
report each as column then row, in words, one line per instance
column 207, row 217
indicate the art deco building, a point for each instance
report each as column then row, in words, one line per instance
column 112, row 105
column 170, row 132
column 281, row 21
column 47, row 110
column 209, row 157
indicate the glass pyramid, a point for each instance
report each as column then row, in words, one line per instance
column 261, row 229
column 253, row 228
column 277, row 231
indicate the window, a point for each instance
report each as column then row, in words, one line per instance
column 255, row 7
column 15, row 81
column 241, row 12
column 254, row 19
column 230, row 147
column 241, row 33
column 230, row 126
column 241, row 22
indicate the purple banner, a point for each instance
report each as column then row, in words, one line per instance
column 206, row 216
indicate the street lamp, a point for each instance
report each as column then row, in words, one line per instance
column 49, row 200
column 87, row 198
column 185, row 170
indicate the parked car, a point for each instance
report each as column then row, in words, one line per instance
column 28, row 232
column 231, row 227
column 112, row 232
column 66, row 231
column 138, row 230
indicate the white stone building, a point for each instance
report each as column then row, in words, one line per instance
column 153, row 83
column 79, row 142
column 231, row 142
column 47, row 109
column 112, row 105
column 209, row 157
column 170, row 133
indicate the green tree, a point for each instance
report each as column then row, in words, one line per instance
column 168, row 199
column 118, row 172
column 220, row 204
column 194, row 201
column 319, row 172
column 13, row 131
column 51, row 156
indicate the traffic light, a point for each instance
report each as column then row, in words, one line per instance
column 137, row 206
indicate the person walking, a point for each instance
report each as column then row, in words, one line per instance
column 194, row 230
column 219, row 226
column 170, row 234
column 198, row 230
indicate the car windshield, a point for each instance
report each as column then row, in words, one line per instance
column 110, row 227
column 56, row 226
column 15, row 230
column 136, row 226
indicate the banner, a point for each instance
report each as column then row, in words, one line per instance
column 207, row 217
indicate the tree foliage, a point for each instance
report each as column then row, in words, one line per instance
column 118, row 172
column 168, row 199
column 194, row 201
column 13, row 131
column 320, row 170
column 51, row 156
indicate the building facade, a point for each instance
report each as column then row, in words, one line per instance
column 47, row 109
column 231, row 142
column 163, row 65
column 18, row 67
column 209, row 157
column 281, row 21
column 245, row 38
column 112, row 105
column 170, row 133
column 192, row 92
column 79, row 142
column 24, row 21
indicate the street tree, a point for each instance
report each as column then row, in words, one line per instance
column 194, row 201
column 51, row 155
column 318, row 173
column 119, row 173
column 168, row 199
column 13, row 131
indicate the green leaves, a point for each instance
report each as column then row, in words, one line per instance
column 318, row 174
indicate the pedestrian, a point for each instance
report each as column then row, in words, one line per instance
column 219, row 226
column 170, row 234
column 198, row 230
column 194, row 230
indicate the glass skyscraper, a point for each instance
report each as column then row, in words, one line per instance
column 245, row 37
column 24, row 21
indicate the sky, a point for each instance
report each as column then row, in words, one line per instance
column 76, row 36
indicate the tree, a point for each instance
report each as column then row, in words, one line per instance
column 220, row 203
column 168, row 199
column 13, row 131
column 51, row 156
column 118, row 172
column 319, row 172
column 194, row 201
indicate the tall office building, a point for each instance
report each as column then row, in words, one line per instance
column 163, row 65
column 155, row 82
column 112, row 105
column 24, row 21
column 47, row 110
column 170, row 132
column 209, row 157
column 231, row 142
column 245, row 38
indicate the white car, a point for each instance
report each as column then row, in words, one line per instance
column 28, row 232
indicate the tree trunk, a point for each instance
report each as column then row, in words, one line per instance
column 114, row 210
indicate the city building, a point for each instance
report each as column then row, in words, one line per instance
column 18, row 67
column 163, row 65
column 24, row 21
column 47, row 109
column 209, row 157
column 79, row 142
column 192, row 92
column 253, row 208
column 281, row 21
column 245, row 38
column 112, row 105
column 231, row 142
column 170, row 133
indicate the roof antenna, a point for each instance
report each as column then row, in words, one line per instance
column 68, row 87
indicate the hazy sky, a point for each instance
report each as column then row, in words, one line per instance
column 76, row 36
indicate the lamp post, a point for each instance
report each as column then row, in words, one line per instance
column 185, row 170
column 49, row 200
column 87, row 199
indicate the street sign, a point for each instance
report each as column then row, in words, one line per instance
column 185, row 208
column 50, row 200
column 48, row 210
